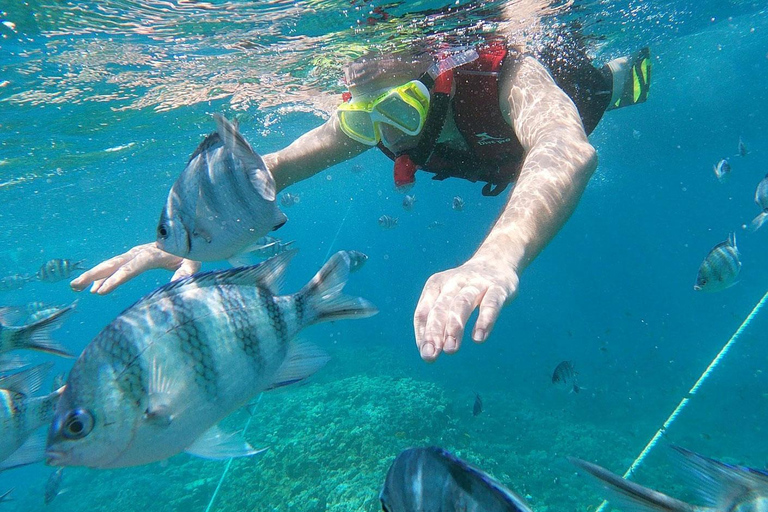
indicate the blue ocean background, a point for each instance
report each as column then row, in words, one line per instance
column 86, row 165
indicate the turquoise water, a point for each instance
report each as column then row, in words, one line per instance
column 101, row 104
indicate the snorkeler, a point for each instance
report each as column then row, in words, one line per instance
column 494, row 114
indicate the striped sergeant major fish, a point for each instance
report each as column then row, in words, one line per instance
column 387, row 222
column 433, row 480
column 55, row 270
column 720, row 268
column 720, row 487
column 159, row 378
column 21, row 414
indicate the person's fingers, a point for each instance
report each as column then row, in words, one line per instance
column 436, row 320
column 96, row 285
column 143, row 261
column 99, row 272
column 187, row 268
column 427, row 300
column 461, row 307
column 490, row 307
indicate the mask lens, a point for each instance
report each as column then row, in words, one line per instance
column 357, row 124
column 400, row 113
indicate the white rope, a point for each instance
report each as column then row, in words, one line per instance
column 229, row 463
column 338, row 230
column 672, row 417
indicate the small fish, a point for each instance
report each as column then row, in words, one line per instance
column 458, row 203
column 289, row 199
column 58, row 269
column 22, row 415
column 14, row 282
column 53, row 485
column 478, row 407
column 222, row 202
column 356, row 168
column 761, row 198
column 565, row 374
column 719, row 486
column 268, row 246
column 34, row 307
column 356, row 260
column 408, row 202
column 387, row 222
column 433, row 480
column 6, row 496
column 720, row 268
column 742, row 148
column 32, row 336
column 435, row 224
column 158, row 379
column 722, row 170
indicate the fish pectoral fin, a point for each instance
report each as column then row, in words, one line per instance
column 32, row 451
column 161, row 395
column 216, row 444
column 302, row 360
column 159, row 416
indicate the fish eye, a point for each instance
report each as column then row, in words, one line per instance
column 702, row 282
column 78, row 424
column 162, row 231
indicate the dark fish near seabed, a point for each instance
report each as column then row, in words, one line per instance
column 31, row 336
column 720, row 486
column 53, row 485
column 761, row 198
column 433, row 480
column 477, row 408
column 408, row 202
column 356, row 260
column 565, row 375
column 222, row 202
column 458, row 203
column 722, row 170
column 158, row 379
column 53, row 271
column 720, row 268
column 23, row 415
column 387, row 222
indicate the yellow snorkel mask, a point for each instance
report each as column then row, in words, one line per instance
column 404, row 108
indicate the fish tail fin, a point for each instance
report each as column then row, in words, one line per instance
column 37, row 335
column 323, row 296
column 758, row 221
column 628, row 495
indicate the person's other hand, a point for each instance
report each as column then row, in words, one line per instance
column 450, row 297
column 110, row 274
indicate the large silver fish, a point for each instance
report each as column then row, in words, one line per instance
column 22, row 415
column 32, row 336
column 433, row 480
column 159, row 378
column 761, row 199
column 720, row 486
column 222, row 202
column 720, row 268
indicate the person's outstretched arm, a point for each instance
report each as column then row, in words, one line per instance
column 314, row 151
column 558, row 165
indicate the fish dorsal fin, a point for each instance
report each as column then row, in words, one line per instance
column 268, row 274
column 732, row 241
column 720, row 484
column 258, row 175
column 212, row 140
column 26, row 382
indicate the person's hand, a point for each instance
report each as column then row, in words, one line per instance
column 450, row 297
column 110, row 274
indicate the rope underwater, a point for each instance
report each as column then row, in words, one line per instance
column 338, row 230
column 229, row 462
column 707, row 372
